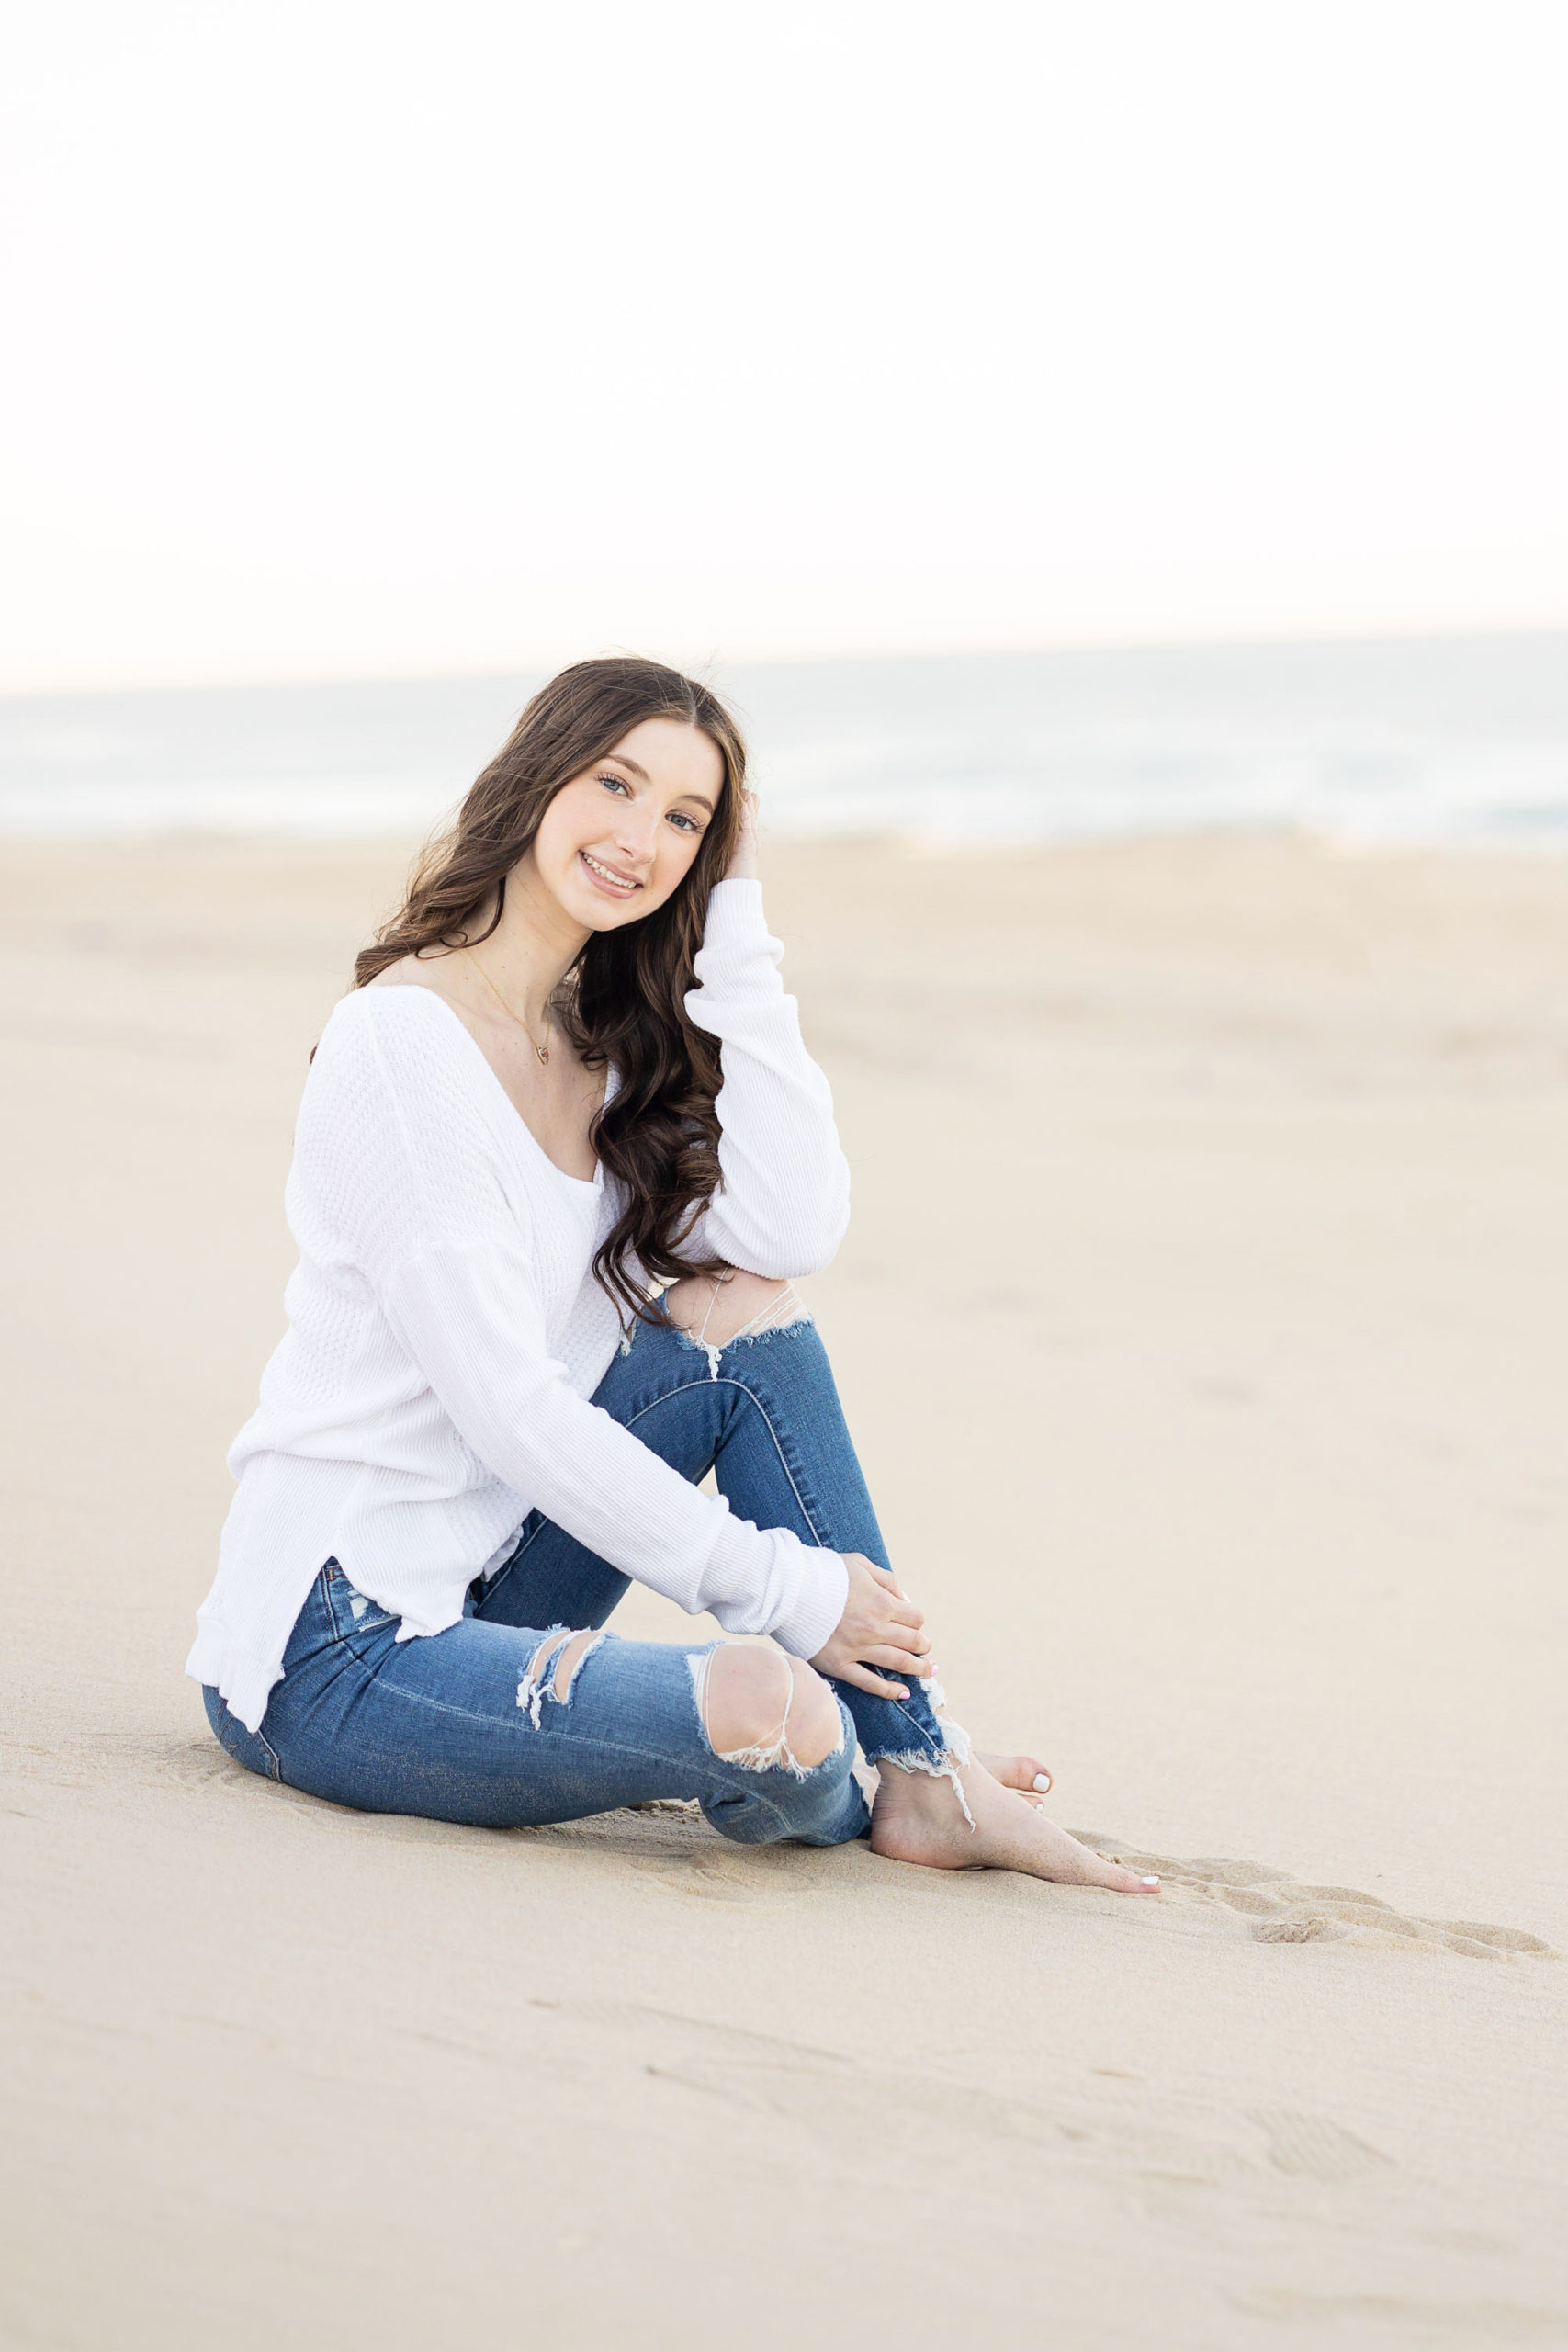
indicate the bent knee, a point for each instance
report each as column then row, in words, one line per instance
column 815, row 1726
column 747, row 1697
column 718, row 1306
column 763, row 1706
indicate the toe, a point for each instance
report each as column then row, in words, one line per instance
column 1125, row 1882
column 1104, row 1869
column 1025, row 1772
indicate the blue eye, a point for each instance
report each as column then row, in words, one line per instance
column 616, row 783
column 679, row 817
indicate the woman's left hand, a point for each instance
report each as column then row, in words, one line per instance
column 879, row 1627
column 743, row 860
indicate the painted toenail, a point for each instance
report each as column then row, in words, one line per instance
column 1042, row 1781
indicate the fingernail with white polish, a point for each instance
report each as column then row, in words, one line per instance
column 1148, row 1881
column 1043, row 1781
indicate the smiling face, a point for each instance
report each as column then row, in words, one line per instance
column 617, row 839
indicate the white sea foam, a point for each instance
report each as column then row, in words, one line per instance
column 1459, row 739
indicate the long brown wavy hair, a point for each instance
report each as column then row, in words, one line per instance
column 622, row 1000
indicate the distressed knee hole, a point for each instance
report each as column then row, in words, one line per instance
column 764, row 1711
column 715, row 1310
column 553, row 1669
column 571, row 1659
column 785, row 1308
column 816, row 1729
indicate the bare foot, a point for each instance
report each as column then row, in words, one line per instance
column 919, row 1819
column 1025, row 1772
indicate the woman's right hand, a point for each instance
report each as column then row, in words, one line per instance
column 878, row 1627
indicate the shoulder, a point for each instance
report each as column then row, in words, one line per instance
column 398, row 1094
column 367, row 1017
column 403, row 1038
column 427, row 972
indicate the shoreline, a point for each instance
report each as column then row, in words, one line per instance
column 1548, row 842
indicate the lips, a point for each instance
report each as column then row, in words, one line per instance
column 624, row 886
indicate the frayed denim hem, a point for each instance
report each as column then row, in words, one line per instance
column 938, row 1763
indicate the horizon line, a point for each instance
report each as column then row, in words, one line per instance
column 410, row 674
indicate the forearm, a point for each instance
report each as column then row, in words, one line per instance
column 783, row 1203
column 468, row 1327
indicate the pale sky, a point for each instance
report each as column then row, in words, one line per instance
column 357, row 337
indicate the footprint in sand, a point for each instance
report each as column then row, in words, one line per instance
column 1314, row 2147
column 1274, row 1908
column 1278, row 1909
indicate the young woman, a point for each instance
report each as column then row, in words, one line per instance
column 559, row 1152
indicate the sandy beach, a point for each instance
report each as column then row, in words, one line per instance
column 1233, row 1481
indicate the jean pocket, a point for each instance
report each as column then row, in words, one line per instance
column 353, row 1612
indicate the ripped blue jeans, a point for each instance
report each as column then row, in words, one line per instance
column 466, row 1726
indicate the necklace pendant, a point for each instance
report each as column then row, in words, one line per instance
column 543, row 1052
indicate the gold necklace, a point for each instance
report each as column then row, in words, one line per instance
column 543, row 1051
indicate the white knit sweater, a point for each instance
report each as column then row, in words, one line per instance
column 445, row 1331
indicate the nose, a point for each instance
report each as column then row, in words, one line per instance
column 636, row 825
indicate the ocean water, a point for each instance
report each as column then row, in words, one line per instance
column 1460, row 739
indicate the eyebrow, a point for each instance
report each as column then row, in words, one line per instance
column 622, row 762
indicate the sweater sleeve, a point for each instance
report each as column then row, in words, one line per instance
column 783, row 1198
column 401, row 1139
